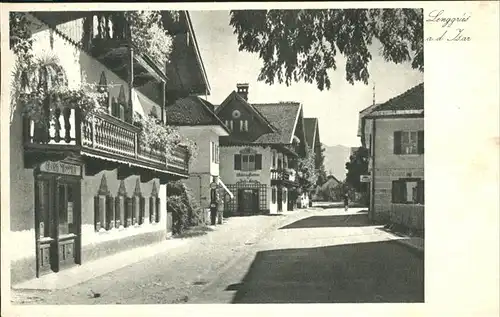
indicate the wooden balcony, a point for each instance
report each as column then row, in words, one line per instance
column 105, row 137
column 106, row 36
column 284, row 177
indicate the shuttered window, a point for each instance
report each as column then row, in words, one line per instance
column 408, row 142
column 408, row 191
column 248, row 162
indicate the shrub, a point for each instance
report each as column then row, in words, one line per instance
column 186, row 211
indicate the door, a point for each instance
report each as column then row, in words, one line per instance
column 248, row 200
column 57, row 222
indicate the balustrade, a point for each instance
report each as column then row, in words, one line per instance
column 103, row 134
column 282, row 175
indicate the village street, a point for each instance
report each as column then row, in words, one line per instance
column 314, row 255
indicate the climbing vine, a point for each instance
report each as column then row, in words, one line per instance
column 149, row 35
column 157, row 135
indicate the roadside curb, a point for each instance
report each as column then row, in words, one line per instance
column 415, row 248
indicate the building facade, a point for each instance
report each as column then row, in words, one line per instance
column 394, row 133
column 196, row 120
column 84, row 188
column 258, row 158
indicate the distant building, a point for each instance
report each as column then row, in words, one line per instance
column 196, row 120
column 258, row 158
column 394, row 133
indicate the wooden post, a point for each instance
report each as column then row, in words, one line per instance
column 93, row 131
column 78, row 126
column 164, row 103
column 130, row 81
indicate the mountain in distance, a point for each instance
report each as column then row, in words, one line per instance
column 335, row 158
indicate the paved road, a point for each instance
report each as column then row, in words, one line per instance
column 321, row 255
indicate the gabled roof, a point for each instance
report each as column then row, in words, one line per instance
column 192, row 111
column 411, row 102
column 236, row 96
column 311, row 130
column 283, row 116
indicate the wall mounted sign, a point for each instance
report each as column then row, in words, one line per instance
column 247, row 174
column 61, row 168
column 365, row 178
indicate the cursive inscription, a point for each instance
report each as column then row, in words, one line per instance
column 452, row 27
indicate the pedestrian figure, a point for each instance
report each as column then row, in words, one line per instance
column 346, row 201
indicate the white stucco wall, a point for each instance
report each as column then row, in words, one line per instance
column 389, row 166
column 80, row 68
column 231, row 176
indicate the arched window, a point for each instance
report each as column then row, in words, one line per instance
column 138, row 205
column 103, row 88
column 121, row 204
column 104, row 211
column 154, row 205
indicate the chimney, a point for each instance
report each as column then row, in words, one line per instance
column 242, row 90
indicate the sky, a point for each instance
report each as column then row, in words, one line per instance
column 337, row 109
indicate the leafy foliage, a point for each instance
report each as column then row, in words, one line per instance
column 40, row 86
column 302, row 44
column 157, row 135
column 306, row 171
column 149, row 36
column 357, row 166
column 320, row 161
column 186, row 211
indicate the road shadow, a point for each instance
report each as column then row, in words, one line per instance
column 351, row 220
column 375, row 272
column 194, row 232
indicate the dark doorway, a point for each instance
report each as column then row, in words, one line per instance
column 57, row 222
column 248, row 201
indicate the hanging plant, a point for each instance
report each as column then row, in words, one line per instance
column 156, row 135
column 149, row 36
column 43, row 87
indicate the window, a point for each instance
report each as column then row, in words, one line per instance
column 248, row 162
column 154, row 206
column 273, row 195
column 284, row 196
column 408, row 191
column 274, row 159
column 214, row 152
column 409, row 142
column 231, row 127
column 217, row 154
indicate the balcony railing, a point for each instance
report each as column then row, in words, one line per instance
column 105, row 136
column 287, row 175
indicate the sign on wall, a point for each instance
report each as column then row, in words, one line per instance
column 249, row 174
column 365, row 178
column 61, row 168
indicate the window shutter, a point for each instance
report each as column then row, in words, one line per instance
column 402, row 192
column 142, row 211
column 117, row 211
column 97, row 223
column 129, row 209
column 395, row 192
column 151, row 209
column 420, row 140
column 421, row 192
column 397, row 142
column 258, row 161
column 237, row 162
column 110, row 212
column 157, row 211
